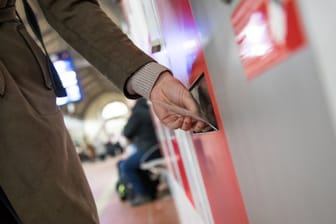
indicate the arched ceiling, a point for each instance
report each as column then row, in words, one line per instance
column 94, row 85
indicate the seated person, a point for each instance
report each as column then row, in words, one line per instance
column 113, row 149
column 139, row 130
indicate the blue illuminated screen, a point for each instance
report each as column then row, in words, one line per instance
column 66, row 71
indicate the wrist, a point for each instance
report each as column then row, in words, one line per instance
column 142, row 82
column 162, row 79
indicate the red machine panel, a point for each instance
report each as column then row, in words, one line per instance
column 183, row 174
column 188, row 64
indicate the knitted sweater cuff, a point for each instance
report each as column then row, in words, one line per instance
column 142, row 82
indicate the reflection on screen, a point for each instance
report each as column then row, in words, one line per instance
column 200, row 92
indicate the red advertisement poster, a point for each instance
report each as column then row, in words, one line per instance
column 267, row 32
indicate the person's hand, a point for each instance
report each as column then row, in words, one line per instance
column 174, row 105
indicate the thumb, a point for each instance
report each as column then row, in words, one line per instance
column 189, row 103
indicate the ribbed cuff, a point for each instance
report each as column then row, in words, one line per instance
column 142, row 82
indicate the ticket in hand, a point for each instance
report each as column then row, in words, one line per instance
column 183, row 112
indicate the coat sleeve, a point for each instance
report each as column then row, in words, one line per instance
column 88, row 30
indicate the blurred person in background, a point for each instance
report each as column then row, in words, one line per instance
column 45, row 183
column 113, row 147
column 140, row 132
column 91, row 151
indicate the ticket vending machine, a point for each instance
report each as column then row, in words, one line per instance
column 214, row 194
column 272, row 70
column 264, row 72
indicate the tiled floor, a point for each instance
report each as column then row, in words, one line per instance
column 102, row 176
